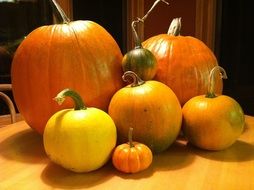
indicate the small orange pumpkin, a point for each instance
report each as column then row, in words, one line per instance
column 151, row 108
column 212, row 122
column 132, row 157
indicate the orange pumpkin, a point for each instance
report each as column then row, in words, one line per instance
column 151, row 108
column 183, row 62
column 80, row 55
column 132, row 157
column 212, row 122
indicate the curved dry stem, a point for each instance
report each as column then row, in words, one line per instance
column 60, row 98
column 137, row 81
column 150, row 10
column 136, row 38
column 134, row 23
column 211, row 86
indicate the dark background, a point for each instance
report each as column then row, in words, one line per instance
column 234, row 49
column 17, row 19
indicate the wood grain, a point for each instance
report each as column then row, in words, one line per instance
column 206, row 22
column 24, row 165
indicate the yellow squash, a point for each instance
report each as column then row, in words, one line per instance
column 80, row 139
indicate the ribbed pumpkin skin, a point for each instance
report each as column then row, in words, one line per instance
column 132, row 159
column 184, row 63
column 152, row 110
column 80, row 55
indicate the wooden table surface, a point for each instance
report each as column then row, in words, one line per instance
column 24, row 165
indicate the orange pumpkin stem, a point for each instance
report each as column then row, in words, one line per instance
column 130, row 137
column 137, row 81
column 60, row 98
column 59, row 13
column 135, row 22
column 211, row 86
column 175, row 27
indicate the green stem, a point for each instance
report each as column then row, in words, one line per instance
column 137, row 40
column 211, row 85
column 175, row 27
column 79, row 104
column 134, row 23
column 130, row 137
column 59, row 13
column 137, row 81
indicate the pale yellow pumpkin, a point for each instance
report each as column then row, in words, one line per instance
column 80, row 139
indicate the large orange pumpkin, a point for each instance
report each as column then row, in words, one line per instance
column 80, row 55
column 184, row 62
column 151, row 108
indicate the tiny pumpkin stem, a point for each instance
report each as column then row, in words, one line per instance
column 211, row 85
column 135, row 22
column 175, row 27
column 79, row 104
column 59, row 13
column 130, row 137
column 137, row 81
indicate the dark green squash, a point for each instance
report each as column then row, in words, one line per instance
column 140, row 60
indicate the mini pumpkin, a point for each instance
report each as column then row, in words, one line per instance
column 132, row 157
column 212, row 122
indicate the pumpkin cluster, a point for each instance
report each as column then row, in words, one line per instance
column 173, row 85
